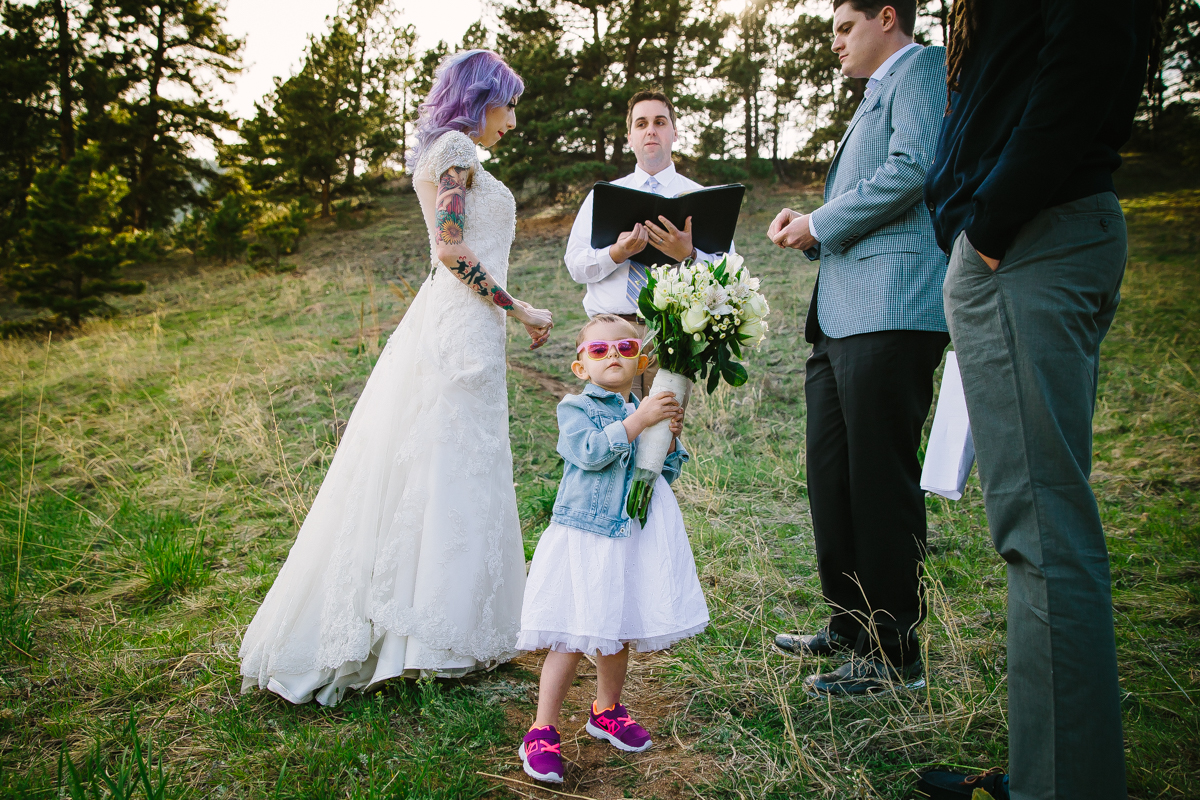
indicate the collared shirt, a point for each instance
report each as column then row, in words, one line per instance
column 886, row 65
column 877, row 75
column 606, row 279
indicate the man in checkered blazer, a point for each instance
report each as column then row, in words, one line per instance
column 878, row 333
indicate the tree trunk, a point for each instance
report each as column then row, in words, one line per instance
column 325, row 197
column 672, row 44
column 66, row 97
column 634, row 19
column 775, row 145
column 77, row 294
column 149, row 140
column 404, row 122
column 748, row 133
column 618, row 156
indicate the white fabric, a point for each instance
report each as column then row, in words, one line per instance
column 588, row 593
column 878, row 74
column 606, row 279
column 951, row 451
column 410, row 559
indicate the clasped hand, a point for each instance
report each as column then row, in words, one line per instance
column 537, row 322
column 667, row 239
column 792, row 229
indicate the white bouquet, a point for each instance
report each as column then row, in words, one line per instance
column 702, row 316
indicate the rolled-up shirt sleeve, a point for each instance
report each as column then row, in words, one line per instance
column 586, row 263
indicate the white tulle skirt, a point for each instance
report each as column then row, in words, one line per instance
column 588, row 593
column 410, row 560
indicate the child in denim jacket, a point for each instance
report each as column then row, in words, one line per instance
column 600, row 580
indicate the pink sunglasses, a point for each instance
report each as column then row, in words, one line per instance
column 626, row 348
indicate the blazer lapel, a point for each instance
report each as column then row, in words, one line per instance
column 865, row 105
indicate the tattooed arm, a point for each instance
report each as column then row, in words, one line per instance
column 450, row 219
column 458, row 258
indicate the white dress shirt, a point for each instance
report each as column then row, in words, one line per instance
column 877, row 75
column 606, row 279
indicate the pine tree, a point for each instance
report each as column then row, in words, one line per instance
column 530, row 40
column 71, row 253
column 278, row 231
column 26, row 114
column 225, row 228
column 171, row 50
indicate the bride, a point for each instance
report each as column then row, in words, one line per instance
column 410, row 561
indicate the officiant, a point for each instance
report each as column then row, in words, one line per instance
column 613, row 275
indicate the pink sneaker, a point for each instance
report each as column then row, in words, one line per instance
column 541, row 754
column 615, row 725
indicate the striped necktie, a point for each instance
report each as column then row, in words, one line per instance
column 637, row 272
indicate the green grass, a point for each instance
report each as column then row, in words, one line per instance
column 154, row 470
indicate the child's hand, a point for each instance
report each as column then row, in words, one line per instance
column 658, row 407
column 652, row 410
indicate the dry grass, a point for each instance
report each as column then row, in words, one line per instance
column 208, row 411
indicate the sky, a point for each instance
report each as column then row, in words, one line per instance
column 276, row 32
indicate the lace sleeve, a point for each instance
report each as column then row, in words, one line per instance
column 452, row 149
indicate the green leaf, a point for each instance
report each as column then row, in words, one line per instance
column 646, row 304
column 734, row 373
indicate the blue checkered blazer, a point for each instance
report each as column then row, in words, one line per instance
column 881, row 267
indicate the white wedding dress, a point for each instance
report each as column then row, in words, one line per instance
column 410, row 561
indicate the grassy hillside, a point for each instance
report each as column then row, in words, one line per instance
column 154, row 470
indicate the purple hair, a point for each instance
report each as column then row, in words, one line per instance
column 465, row 86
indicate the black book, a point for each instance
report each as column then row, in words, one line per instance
column 714, row 212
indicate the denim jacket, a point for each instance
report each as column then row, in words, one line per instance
column 599, row 463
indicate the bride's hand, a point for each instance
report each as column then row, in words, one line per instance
column 537, row 322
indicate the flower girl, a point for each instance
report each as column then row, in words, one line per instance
column 599, row 580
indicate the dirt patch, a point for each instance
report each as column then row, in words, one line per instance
column 548, row 223
column 555, row 386
column 596, row 770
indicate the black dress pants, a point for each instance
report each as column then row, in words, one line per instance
column 868, row 396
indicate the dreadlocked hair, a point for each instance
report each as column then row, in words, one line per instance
column 961, row 24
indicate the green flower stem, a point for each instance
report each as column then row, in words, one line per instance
column 640, row 494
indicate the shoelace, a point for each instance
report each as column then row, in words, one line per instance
column 980, row 776
column 538, row 746
column 613, row 725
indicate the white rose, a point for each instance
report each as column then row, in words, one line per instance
column 733, row 263
column 757, row 307
column 755, row 330
column 695, row 319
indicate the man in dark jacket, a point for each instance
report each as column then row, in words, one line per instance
column 1042, row 98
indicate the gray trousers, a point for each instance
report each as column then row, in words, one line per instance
column 1028, row 343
